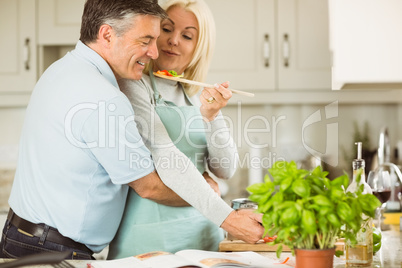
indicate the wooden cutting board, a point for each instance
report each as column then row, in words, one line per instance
column 239, row 245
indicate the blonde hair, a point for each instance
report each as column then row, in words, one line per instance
column 198, row 67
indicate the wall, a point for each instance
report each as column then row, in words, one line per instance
column 11, row 120
column 287, row 132
column 281, row 136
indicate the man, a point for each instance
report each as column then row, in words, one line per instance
column 80, row 148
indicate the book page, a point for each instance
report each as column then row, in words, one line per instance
column 166, row 260
column 229, row 259
column 191, row 259
column 124, row 262
column 155, row 259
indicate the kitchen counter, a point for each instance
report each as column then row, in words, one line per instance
column 391, row 250
column 389, row 256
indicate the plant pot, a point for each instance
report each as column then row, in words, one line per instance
column 317, row 258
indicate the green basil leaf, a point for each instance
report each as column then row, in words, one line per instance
column 322, row 200
column 290, row 216
column 336, row 194
column 279, row 251
column 334, row 220
column 258, row 188
column 309, row 221
column 301, row 188
column 344, row 211
column 286, row 183
column 338, row 253
column 325, row 210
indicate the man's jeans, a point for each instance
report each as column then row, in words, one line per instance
column 15, row 243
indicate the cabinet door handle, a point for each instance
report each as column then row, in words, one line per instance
column 266, row 50
column 286, row 50
column 27, row 54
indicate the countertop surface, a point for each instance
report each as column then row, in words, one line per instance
column 389, row 256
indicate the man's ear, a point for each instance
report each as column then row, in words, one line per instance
column 105, row 35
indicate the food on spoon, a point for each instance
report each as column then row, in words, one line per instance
column 169, row 73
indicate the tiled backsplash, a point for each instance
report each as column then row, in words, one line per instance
column 6, row 181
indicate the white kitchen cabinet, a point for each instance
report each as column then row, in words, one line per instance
column 239, row 52
column 366, row 43
column 59, row 24
column 17, row 46
column 271, row 44
column 59, row 21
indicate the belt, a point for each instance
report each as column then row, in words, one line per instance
column 38, row 229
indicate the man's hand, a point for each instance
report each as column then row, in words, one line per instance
column 214, row 185
column 244, row 224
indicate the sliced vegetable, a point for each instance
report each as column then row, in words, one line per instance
column 164, row 72
column 268, row 239
column 173, row 73
column 285, row 261
column 169, row 73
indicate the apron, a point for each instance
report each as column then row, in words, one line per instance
column 149, row 226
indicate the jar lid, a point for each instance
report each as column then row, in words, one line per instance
column 243, row 203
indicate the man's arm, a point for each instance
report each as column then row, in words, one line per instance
column 151, row 187
column 243, row 224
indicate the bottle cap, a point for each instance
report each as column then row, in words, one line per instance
column 358, row 163
column 359, row 149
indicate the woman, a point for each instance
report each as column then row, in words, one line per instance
column 184, row 132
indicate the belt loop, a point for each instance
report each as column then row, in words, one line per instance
column 44, row 235
column 10, row 214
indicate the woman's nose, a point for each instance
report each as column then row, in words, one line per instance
column 173, row 40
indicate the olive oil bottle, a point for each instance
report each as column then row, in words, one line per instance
column 361, row 254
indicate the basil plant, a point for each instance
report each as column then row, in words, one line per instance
column 304, row 209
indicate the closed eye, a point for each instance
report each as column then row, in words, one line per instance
column 145, row 41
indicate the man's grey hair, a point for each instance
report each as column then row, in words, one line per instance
column 116, row 13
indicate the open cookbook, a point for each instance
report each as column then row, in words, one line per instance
column 191, row 259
